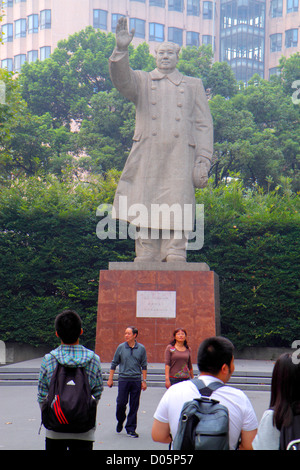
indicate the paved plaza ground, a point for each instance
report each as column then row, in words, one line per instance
column 20, row 416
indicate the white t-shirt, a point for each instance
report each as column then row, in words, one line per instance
column 268, row 436
column 240, row 410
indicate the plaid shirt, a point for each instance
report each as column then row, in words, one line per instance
column 71, row 356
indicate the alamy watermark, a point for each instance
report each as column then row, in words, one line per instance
column 295, row 99
column 296, row 354
column 161, row 215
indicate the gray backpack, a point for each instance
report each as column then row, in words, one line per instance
column 203, row 422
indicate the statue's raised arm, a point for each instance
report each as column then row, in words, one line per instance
column 123, row 36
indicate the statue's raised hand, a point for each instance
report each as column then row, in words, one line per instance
column 123, row 36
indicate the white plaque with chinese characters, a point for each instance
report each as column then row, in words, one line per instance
column 156, row 304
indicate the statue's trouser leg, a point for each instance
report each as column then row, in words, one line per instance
column 170, row 246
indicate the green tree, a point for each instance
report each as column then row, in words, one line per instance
column 196, row 62
column 11, row 111
column 49, row 247
column 221, row 80
column 106, row 134
column 290, row 72
column 252, row 243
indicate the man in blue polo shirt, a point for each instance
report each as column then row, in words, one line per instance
column 131, row 358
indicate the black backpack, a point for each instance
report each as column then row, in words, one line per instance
column 203, row 422
column 290, row 435
column 69, row 406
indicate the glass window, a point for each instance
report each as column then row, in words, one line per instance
column 100, row 19
column 274, row 71
column 33, row 24
column 45, row 52
column 8, row 3
column 32, row 56
column 45, row 19
column 7, row 32
column 292, row 5
column 175, row 35
column 20, row 28
column 7, row 64
column 276, row 8
column 207, row 39
column 207, row 10
column 20, row 1
column 156, row 32
column 139, row 26
column 175, row 5
column 114, row 21
column 193, row 7
column 19, row 60
column 291, row 38
column 275, row 42
column 141, row 1
column 157, row 3
column 192, row 38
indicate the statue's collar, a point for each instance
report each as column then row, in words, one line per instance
column 175, row 77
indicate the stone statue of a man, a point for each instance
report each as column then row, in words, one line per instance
column 171, row 152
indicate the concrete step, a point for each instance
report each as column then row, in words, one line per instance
column 253, row 380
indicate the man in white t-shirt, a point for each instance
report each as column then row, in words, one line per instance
column 215, row 363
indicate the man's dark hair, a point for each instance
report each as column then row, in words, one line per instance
column 213, row 353
column 134, row 330
column 68, row 326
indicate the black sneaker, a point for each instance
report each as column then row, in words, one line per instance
column 119, row 427
column 132, row 434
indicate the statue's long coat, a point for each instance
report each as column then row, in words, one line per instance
column 173, row 127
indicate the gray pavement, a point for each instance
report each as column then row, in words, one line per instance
column 20, row 414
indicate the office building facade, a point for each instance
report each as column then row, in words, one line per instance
column 251, row 35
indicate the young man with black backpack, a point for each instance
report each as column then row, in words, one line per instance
column 69, row 388
column 216, row 365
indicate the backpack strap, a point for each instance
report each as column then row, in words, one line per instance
column 204, row 390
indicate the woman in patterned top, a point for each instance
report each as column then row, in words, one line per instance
column 178, row 363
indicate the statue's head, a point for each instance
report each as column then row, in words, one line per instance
column 167, row 55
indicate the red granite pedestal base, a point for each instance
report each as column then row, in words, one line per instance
column 197, row 309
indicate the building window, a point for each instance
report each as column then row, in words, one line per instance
column 45, row 52
column 100, row 19
column 32, row 56
column 141, row 1
column 7, row 32
column 139, row 26
column 193, row 7
column 207, row 10
column 8, row 3
column 292, row 5
column 175, row 5
column 274, row 71
column 114, row 21
column 45, row 19
column 192, row 38
column 275, row 42
column 19, row 60
column 7, row 64
column 33, row 24
column 207, row 39
column 156, row 32
column 276, row 8
column 157, row 3
column 291, row 38
column 20, row 1
column 175, row 35
column 20, row 28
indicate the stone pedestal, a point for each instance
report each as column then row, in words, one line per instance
column 192, row 287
